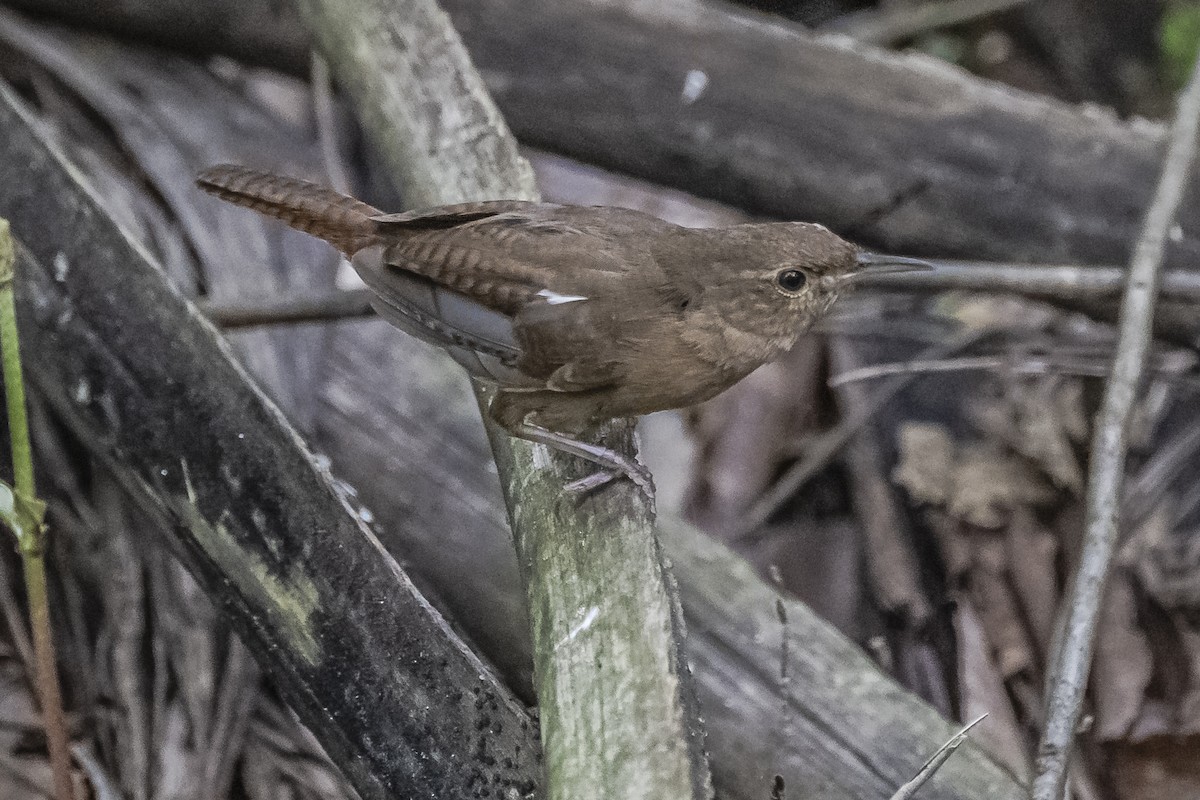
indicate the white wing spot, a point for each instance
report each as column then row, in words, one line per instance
column 555, row 299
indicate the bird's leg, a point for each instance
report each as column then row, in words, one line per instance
column 591, row 482
column 514, row 411
column 613, row 464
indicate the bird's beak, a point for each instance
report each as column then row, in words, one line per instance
column 879, row 264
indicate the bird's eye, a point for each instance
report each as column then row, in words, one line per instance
column 791, row 280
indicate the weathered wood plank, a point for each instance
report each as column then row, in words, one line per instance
column 395, row 697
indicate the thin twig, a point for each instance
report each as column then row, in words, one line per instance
column 25, row 516
column 14, row 620
column 289, row 309
column 1068, row 679
column 1026, row 366
column 926, row 366
column 908, row 790
column 103, row 784
column 1046, row 281
column 823, row 450
column 903, row 21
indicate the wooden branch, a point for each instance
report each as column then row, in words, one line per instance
column 617, row 713
column 889, row 551
column 900, row 151
column 261, row 32
column 393, row 695
column 290, row 309
column 889, row 25
column 1067, row 681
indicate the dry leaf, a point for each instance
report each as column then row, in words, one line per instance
column 982, row 691
column 993, row 597
column 926, row 461
column 988, row 485
column 1032, row 555
column 1166, row 559
column 1123, row 664
column 1040, row 418
column 976, row 482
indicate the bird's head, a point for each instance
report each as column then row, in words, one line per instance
column 777, row 279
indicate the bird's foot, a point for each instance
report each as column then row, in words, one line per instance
column 641, row 477
column 575, row 492
column 613, row 465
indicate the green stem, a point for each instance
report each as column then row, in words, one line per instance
column 14, row 382
column 28, row 514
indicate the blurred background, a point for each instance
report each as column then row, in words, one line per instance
column 913, row 471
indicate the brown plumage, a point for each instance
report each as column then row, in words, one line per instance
column 578, row 314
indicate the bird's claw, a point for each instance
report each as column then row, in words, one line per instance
column 588, row 484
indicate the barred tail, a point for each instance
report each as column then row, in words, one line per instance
column 340, row 220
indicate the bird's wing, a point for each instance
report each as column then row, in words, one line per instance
column 503, row 254
column 453, row 215
column 569, row 345
column 516, row 282
column 480, row 338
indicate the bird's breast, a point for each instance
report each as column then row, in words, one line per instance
column 731, row 349
column 671, row 365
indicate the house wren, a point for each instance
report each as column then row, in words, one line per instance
column 577, row 314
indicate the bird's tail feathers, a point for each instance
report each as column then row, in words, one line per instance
column 340, row 220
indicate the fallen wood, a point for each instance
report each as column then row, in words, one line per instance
column 398, row 701
column 901, row 152
column 403, row 436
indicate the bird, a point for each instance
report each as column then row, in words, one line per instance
column 577, row 314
